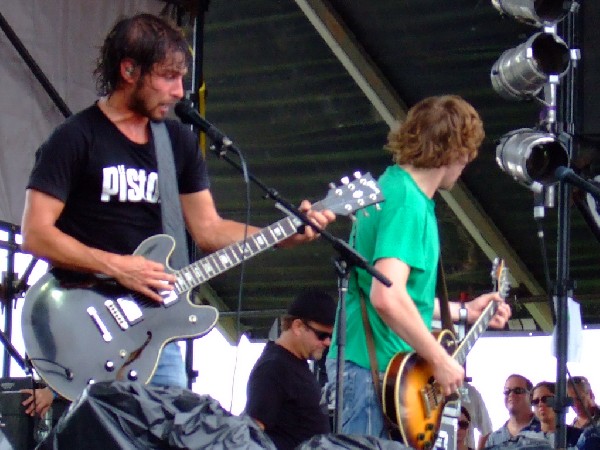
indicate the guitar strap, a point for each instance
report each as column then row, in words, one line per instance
column 170, row 205
column 446, row 317
column 446, row 323
column 389, row 425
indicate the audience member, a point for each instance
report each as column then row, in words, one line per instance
column 462, row 433
column 479, row 416
column 517, row 400
column 589, row 439
column 584, row 404
column 542, row 399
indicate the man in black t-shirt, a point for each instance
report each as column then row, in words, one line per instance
column 283, row 394
column 93, row 195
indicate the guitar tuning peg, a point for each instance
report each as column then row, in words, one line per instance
column 352, row 217
column 365, row 213
column 357, row 174
column 377, row 207
column 332, row 186
column 345, row 180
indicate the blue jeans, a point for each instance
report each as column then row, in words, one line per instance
column 170, row 370
column 361, row 412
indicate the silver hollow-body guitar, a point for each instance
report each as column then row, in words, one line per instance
column 85, row 329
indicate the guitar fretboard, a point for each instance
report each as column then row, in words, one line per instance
column 218, row 262
column 460, row 355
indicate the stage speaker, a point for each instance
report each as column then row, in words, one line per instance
column 589, row 92
column 16, row 428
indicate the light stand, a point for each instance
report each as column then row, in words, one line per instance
column 532, row 158
column 562, row 289
column 564, row 286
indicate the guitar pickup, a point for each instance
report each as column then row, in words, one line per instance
column 116, row 314
column 124, row 311
column 425, row 398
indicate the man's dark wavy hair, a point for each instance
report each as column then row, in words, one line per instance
column 146, row 39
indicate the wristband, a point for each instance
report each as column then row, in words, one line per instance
column 462, row 314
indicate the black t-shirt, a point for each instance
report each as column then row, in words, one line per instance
column 108, row 183
column 285, row 396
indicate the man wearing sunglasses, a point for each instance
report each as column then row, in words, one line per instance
column 517, row 400
column 284, row 397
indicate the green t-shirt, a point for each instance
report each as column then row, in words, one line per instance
column 404, row 228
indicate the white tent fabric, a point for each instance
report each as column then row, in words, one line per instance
column 63, row 37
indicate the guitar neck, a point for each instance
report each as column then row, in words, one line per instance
column 342, row 200
column 460, row 354
column 222, row 260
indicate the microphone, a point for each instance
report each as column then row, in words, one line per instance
column 568, row 176
column 186, row 112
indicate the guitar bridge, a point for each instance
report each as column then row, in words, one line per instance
column 99, row 324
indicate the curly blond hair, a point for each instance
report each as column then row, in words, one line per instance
column 438, row 131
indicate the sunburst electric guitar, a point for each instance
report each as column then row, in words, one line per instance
column 77, row 333
column 411, row 397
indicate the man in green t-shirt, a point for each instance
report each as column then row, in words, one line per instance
column 439, row 137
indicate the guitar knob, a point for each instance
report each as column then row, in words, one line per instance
column 109, row 366
column 132, row 375
column 420, row 436
column 429, row 427
column 91, row 381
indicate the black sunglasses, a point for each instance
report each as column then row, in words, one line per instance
column 321, row 335
column 463, row 424
column 517, row 391
column 545, row 399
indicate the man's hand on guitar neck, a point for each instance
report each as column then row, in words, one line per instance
column 140, row 274
column 476, row 306
column 319, row 218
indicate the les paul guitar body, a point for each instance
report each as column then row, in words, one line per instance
column 411, row 398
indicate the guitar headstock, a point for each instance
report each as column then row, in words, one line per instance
column 500, row 279
column 352, row 195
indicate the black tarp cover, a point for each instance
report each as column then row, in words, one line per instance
column 131, row 416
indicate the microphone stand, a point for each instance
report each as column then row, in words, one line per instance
column 346, row 252
column 347, row 259
column 7, row 294
column 14, row 353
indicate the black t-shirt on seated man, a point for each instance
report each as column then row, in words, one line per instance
column 285, row 396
